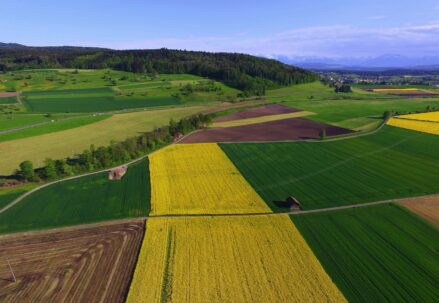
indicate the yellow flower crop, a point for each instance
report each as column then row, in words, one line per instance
column 228, row 259
column 430, row 117
column 199, row 179
column 422, row 126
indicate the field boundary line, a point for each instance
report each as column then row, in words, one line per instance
column 144, row 218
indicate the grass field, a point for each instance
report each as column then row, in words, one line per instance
column 263, row 119
column 92, row 264
column 376, row 254
column 84, row 200
column 8, row 100
column 66, row 143
column 11, row 121
column 389, row 164
column 228, row 259
column 345, row 110
column 90, row 100
column 52, row 127
column 199, row 179
column 7, row 195
column 426, row 207
column 417, row 125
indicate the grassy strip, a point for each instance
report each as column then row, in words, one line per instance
column 376, row 254
column 52, row 127
column 391, row 163
column 87, row 199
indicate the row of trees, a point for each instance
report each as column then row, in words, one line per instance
column 114, row 154
column 244, row 72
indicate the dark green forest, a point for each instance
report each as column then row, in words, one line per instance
column 247, row 73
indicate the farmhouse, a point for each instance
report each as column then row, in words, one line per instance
column 117, row 173
column 293, row 203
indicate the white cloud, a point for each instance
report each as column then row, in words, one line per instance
column 328, row 41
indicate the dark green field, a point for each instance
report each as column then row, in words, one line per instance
column 389, row 164
column 89, row 100
column 84, row 200
column 7, row 195
column 8, row 100
column 376, row 254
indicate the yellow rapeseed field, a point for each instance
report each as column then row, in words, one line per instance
column 228, row 259
column 262, row 119
column 422, row 126
column 431, row 116
column 199, row 179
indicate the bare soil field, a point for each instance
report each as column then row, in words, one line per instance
column 280, row 130
column 91, row 264
column 6, row 95
column 426, row 207
column 273, row 109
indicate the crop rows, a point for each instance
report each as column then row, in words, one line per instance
column 199, row 179
column 84, row 200
column 228, row 259
column 389, row 164
column 376, row 254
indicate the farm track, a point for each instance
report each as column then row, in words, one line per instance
column 170, row 216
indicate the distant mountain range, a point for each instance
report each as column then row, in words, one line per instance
column 381, row 63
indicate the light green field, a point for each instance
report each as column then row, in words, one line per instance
column 351, row 110
column 52, row 127
column 68, row 142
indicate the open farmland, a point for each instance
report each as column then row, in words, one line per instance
column 262, row 119
column 267, row 110
column 86, row 199
column 278, row 130
column 426, row 207
column 376, row 254
column 429, row 117
column 68, row 142
column 90, row 264
column 228, row 259
column 199, row 179
column 89, row 100
column 391, row 163
column 417, row 125
column 7, row 195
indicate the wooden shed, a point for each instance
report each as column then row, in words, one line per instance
column 117, row 173
column 293, row 203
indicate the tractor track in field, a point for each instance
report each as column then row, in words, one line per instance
column 170, row 216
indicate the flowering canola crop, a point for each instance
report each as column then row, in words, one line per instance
column 418, row 125
column 228, row 259
column 429, row 117
column 199, row 179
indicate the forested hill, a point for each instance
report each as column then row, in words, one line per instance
column 245, row 72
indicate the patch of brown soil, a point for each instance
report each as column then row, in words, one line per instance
column 5, row 95
column 280, row 130
column 92, row 264
column 273, row 109
column 426, row 207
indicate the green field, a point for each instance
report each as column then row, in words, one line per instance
column 52, row 127
column 84, row 200
column 376, row 254
column 7, row 195
column 89, row 100
column 389, row 164
column 8, row 100
column 350, row 110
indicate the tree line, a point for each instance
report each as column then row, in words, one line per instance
column 247, row 73
column 115, row 154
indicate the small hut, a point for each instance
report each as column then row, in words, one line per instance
column 293, row 203
column 117, row 173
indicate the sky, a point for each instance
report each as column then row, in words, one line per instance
column 306, row 28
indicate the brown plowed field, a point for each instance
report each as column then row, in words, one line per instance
column 273, row 109
column 92, row 264
column 5, row 95
column 280, row 130
column 426, row 207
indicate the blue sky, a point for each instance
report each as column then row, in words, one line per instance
column 337, row 28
